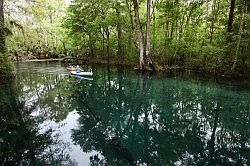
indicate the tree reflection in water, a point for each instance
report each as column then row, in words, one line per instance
column 21, row 139
column 125, row 118
column 133, row 119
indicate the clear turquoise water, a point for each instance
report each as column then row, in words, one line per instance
column 120, row 117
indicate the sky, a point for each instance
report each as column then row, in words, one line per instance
column 67, row 1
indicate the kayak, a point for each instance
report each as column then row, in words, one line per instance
column 79, row 78
column 71, row 68
column 86, row 74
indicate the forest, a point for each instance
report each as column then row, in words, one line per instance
column 203, row 35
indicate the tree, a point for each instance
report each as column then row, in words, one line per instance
column 195, row 34
column 231, row 16
column 148, row 28
column 145, row 59
column 119, row 31
column 35, row 27
column 243, row 10
column 2, row 28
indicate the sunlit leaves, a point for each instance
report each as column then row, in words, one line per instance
column 40, row 23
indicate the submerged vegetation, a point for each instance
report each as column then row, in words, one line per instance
column 198, row 34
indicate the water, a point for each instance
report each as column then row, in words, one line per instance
column 120, row 117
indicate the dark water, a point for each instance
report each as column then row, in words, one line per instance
column 122, row 118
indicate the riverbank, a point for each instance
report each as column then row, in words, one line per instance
column 225, row 71
column 43, row 60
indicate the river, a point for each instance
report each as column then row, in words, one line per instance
column 121, row 117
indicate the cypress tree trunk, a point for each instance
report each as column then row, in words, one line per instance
column 2, row 31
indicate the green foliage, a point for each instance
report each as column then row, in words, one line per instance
column 6, row 66
column 96, row 21
column 36, row 28
column 182, row 32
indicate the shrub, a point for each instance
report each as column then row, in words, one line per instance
column 6, row 66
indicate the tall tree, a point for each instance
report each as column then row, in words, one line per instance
column 148, row 29
column 2, row 29
column 231, row 16
column 119, row 31
column 140, row 36
column 243, row 10
column 145, row 59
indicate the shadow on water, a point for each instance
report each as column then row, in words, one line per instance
column 123, row 118
column 135, row 119
column 21, row 142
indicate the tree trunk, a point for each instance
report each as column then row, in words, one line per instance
column 103, row 42
column 130, row 16
column 166, row 33
column 145, row 59
column 239, row 34
column 212, row 22
column 91, row 45
column 107, row 33
column 107, row 42
column 231, row 17
column 119, row 32
column 154, row 35
column 2, row 32
column 140, row 34
column 148, row 29
column 230, row 28
column 172, row 30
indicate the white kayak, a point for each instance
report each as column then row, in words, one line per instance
column 86, row 74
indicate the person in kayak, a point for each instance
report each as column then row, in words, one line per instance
column 78, row 69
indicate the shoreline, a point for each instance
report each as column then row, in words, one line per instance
column 43, row 60
column 242, row 73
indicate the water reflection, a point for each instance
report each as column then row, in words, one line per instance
column 33, row 114
column 21, row 139
column 119, row 117
column 136, row 119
